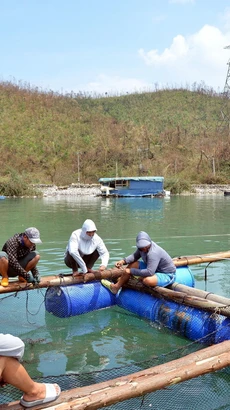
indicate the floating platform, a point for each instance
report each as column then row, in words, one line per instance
column 132, row 186
column 192, row 322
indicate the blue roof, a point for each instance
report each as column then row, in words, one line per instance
column 160, row 179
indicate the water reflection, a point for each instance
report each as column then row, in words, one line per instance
column 182, row 225
column 103, row 339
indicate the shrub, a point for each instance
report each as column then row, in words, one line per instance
column 16, row 185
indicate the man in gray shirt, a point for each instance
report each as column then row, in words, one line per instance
column 155, row 269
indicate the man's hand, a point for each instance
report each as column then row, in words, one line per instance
column 120, row 263
column 90, row 270
column 76, row 274
column 102, row 267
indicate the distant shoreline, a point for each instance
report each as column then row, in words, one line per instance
column 94, row 190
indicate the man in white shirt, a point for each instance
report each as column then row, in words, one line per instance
column 84, row 248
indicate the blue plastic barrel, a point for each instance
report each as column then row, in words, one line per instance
column 137, row 302
column 65, row 301
column 223, row 329
column 195, row 324
column 184, row 276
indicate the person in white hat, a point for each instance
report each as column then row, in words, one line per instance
column 155, row 269
column 13, row 372
column 19, row 257
column 84, row 248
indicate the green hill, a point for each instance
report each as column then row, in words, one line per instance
column 51, row 138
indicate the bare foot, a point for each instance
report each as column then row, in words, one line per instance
column 113, row 288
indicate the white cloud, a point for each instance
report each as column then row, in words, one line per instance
column 198, row 57
column 178, row 49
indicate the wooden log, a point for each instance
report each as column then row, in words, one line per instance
column 197, row 259
column 61, row 280
column 103, row 394
column 182, row 298
column 65, row 279
column 200, row 293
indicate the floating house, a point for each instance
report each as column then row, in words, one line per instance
column 132, row 186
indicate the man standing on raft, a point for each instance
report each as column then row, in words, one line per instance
column 155, row 269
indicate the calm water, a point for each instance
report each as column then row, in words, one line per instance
column 182, row 225
column 111, row 337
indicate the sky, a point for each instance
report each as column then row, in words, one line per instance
column 114, row 46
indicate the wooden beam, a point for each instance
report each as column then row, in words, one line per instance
column 103, row 394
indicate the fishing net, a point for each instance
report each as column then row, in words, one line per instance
column 104, row 344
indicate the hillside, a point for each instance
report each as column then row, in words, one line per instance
column 60, row 139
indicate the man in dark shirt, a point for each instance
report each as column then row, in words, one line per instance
column 19, row 257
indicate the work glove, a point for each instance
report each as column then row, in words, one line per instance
column 33, row 279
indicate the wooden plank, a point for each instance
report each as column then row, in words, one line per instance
column 103, row 394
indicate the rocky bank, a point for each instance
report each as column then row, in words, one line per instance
column 94, row 190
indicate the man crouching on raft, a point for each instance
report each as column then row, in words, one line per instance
column 19, row 257
column 155, row 269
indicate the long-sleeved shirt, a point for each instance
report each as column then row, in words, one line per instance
column 156, row 259
column 81, row 244
column 16, row 250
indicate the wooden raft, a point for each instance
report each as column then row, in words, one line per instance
column 186, row 296
column 179, row 293
column 114, row 273
column 103, row 394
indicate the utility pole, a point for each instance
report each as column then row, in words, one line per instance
column 225, row 116
column 78, row 167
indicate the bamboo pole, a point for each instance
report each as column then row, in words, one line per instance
column 197, row 259
column 200, row 293
column 93, row 397
column 182, row 298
